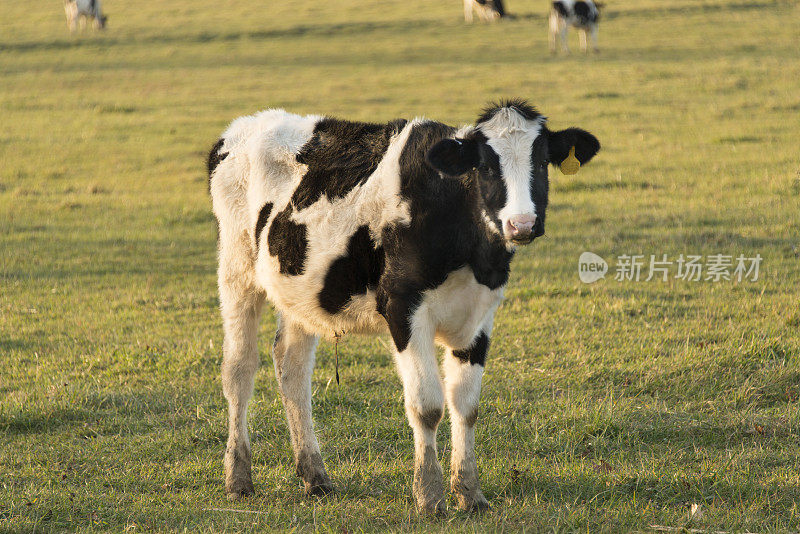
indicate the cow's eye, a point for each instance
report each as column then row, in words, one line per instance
column 488, row 171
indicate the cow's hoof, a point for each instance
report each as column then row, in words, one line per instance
column 476, row 503
column 319, row 488
column 432, row 508
column 311, row 470
column 239, row 491
column 430, row 497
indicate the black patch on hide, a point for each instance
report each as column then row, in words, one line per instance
column 561, row 8
column 340, row 156
column 584, row 13
column 499, row 7
column 263, row 216
column 494, row 5
column 489, row 176
column 476, row 353
column 358, row 270
column 287, row 241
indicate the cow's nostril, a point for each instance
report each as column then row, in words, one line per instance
column 521, row 225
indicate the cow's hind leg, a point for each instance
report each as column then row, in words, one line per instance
column 293, row 354
column 468, row 11
column 463, row 372
column 594, row 32
column 241, row 302
column 552, row 33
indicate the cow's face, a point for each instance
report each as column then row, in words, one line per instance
column 507, row 155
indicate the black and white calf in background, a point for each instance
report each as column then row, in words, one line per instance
column 78, row 11
column 407, row 227
column 487, row 10
column 581, row 14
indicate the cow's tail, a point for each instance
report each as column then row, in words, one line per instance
column 215, row 157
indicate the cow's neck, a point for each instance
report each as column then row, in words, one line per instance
column 491, row 259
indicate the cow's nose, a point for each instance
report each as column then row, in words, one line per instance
column 520, row 226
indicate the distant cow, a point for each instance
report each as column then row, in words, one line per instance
column 78, row 11
column 406, row 227
column 583, row 15
column 488, row 10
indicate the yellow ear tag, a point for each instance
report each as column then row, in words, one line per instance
column 571, row 164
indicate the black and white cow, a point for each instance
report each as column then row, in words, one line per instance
column 581, row 14
column 487, row 10
column 407, row 227
column 78, row 11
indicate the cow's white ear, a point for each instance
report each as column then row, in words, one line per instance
column 454, row 157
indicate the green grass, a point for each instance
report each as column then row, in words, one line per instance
column 608, row 407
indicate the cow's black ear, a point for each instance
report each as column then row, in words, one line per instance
column 561, row 142
column 454, row 157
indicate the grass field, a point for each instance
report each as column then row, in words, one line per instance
column 606, row 407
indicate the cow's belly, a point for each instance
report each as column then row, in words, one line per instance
column 460, row 308
column 298, row 298
column 457, row 310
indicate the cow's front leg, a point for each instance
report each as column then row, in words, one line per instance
column 468, row 11
column 424, row 401
column 294, row 354
column 463, row 372
column 241, row 305
column 564, row 42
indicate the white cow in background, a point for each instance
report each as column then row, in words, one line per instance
column 78, row 11
column 581, row 14
column 487, row 10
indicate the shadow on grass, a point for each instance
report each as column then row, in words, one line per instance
column 34, row 422
column 732, row 241
column 73, row 258
column 607, row 489
column 18, row 344
column 727, row 7
column 96, row 410
column 303, row 30
column 578, row 186
column 700, row 240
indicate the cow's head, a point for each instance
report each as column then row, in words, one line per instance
column 506, row 154
column 101, row 22
column 493, row 9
